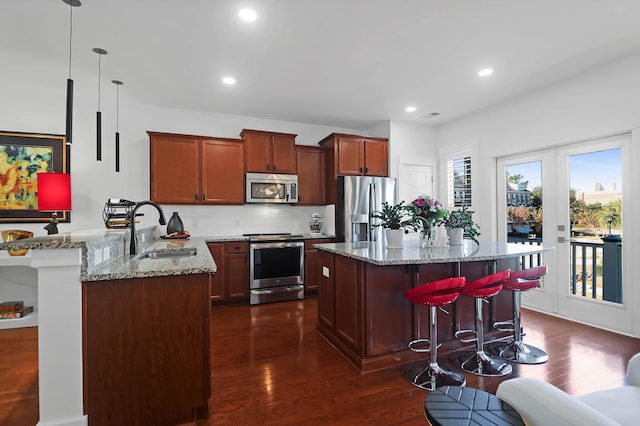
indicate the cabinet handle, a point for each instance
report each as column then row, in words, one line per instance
column 195, row 197
column 203, row 196
column 274, row 167
column 268, row 167
column 360, row 169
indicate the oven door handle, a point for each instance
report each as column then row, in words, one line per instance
column 279, row 290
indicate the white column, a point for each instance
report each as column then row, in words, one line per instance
column 59, row 336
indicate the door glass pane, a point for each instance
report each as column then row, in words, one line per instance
column 595, row 200
column 524, row 207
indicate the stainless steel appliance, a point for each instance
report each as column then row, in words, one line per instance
column 276, row 268
column 271, row 188
column 357, row 197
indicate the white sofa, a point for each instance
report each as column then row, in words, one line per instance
column 540, row 403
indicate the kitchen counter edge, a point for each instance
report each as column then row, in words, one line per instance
column 378, row 254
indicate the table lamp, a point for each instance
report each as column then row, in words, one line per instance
column 54, row 195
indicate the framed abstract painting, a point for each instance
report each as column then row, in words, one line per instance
column 22, row 157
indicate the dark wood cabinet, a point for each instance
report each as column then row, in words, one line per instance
column 188, row 169
column 326, row 290
column 146, row 356
column 269, row 152
column 231, row 282
column 175, row 165
column 219, row 280
column 311, row 165
column 237, row 270
column 347, row 300
column 353, row 155
column 311, row 264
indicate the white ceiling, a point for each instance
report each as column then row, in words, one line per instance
column 345, row 63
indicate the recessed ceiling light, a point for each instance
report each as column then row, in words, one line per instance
column 410, row 109
column 485, row 72
column 229, row 80
column 247, row 15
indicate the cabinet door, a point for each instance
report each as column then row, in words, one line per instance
column 174, row 169
column 376, row 158
column 237, row 270
column 326, row 284
column 311, row 176
column 347, row 300
column 218, row 281
column 258, row 152
column 350, row 156
column 310, row 271
column 222, row 172
column 284, row 154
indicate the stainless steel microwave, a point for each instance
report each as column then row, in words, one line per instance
column 271, row 188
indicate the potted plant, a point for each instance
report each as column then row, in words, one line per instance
column 429, row 213
column 395, row 219
column 459, row 224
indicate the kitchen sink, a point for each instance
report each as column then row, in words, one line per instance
column 167, row 254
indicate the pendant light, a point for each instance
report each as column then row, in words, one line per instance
column 100, row 52
column 118, row 83
column 69, row 115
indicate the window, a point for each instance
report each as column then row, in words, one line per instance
column 459, row 182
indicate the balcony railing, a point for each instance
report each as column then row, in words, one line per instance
column 596, row 266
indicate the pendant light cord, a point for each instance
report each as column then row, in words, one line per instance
column 99, row 78
column 117, row 107
column 70, row 36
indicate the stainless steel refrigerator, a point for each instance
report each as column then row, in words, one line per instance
column 357, row 197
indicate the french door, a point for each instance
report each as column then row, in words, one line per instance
column 570, row 198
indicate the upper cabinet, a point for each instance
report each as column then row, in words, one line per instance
column 269, row 152
column 189, row 169
column 354, row 155
column 311, row 163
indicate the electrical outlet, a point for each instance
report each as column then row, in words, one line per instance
column 106, row 254
column 143, row 237
column 97, row 257
column 325, row 271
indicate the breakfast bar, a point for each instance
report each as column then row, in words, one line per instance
column 362, row 311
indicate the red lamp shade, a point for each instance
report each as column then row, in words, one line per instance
column 54, row 191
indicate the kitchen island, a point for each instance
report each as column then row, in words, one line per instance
column 362, row 311
column 108, row 321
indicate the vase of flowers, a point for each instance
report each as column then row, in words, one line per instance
column 395, row 219
column 459, row 224
column 429, row 213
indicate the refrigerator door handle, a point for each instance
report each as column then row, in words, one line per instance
column 372, row 205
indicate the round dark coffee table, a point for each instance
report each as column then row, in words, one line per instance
column 456, row 405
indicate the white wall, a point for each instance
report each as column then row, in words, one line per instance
column 33, row 101
column 596, row 103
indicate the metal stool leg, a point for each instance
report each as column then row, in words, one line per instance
column 429, row 376
column 480, row 363
column 517, row 350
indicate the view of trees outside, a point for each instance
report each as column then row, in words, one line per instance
column 595, row 203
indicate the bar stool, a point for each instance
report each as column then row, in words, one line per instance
column 429, row 375
column 515, row 350
column 479, row 362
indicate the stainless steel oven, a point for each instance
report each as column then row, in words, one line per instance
column 276, row 268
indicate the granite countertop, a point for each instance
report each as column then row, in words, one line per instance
column 97, row 245
column 412, row 254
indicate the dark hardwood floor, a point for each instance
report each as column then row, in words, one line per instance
column 270, row 367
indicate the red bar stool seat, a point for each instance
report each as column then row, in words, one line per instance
column 479, row 362
column 515, row 349
column 429, row 375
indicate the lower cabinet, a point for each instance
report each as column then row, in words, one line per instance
column 146, row 356
column 231, row 282
column 311, row 264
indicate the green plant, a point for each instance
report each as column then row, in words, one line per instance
column 396, row 216
column 462, row 219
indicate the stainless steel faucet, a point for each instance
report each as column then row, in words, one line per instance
column 132, row 218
